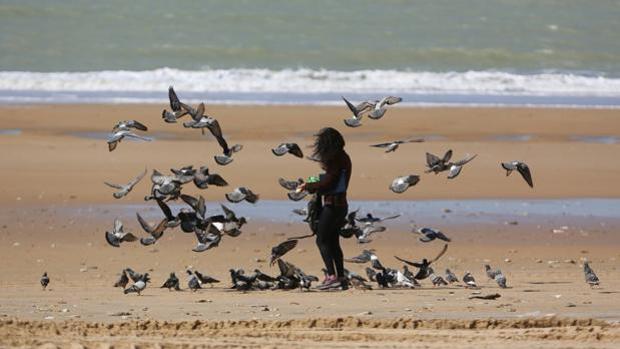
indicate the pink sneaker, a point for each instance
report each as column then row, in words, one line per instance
column 327, row 280
column 330, row 281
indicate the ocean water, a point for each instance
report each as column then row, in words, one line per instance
column 514, row 52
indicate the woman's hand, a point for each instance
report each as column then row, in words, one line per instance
column 301, row 187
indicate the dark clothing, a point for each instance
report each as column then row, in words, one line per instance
column 328, row 238
column 332, row 186
column 334, row 182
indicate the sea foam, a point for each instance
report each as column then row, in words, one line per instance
column 131, row 86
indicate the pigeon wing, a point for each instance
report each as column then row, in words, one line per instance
column 175, row 103
column 137, row 179
column 441, row 253
column 432, row 160
column 296, row 196
column 392, row 100
column 137, row 125
column 115, row 186
column 447, row 156
column 295, row 150
column 351, row 107
column 381, row 145
column 524, row 170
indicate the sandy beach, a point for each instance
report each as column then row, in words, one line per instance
column 54, row 210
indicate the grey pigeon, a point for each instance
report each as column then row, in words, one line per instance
column 393, row 145
column 424, row 269
column 173, row 221
column 203, row 178
column 291, row 148
column 184, row 171
column 178, row 109
column 281, row 249
column 522, row 168
column 430, row 234
column 134, row 276
column 226, row 158
column 371, row 219
column 172, row 283
column 401, row 184
column 290, row 185
column 437, row 280
column 207, row 239
column 155, row 232
column 591, row 278
column 139, row 285
column 193, row 283
column 500, row 278
column 166, row 187
column 242, row 193
column 118, row 235
column 232, row 224
column 117, row 136
column 198, row 205
column 491, row 273
column 380, row 107
column 356, row 111
column 364, row 234
column 436, row 164
column 469, row 280
column 124, row 189
column 205, row 279
column 122, row 281
column 451, row 277
column 45, row 280
column 456, row 167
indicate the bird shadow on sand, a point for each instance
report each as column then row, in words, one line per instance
column 549, row 282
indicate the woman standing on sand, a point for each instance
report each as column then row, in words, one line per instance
column 332, row 186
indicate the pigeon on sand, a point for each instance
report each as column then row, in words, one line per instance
column 122, row 281
column 172, row 283
column 591, row 278
column 45, row 280
column 139, row 285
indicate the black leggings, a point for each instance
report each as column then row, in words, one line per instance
column 331, row 221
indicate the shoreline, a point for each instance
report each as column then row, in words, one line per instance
column 55, row 210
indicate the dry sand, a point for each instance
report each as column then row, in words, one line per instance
column 52, row 220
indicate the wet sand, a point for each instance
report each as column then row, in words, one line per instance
column 54, row 211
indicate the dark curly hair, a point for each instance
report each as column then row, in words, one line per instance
column 328, row 143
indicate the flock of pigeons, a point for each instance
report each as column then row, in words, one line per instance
column 209, row 229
